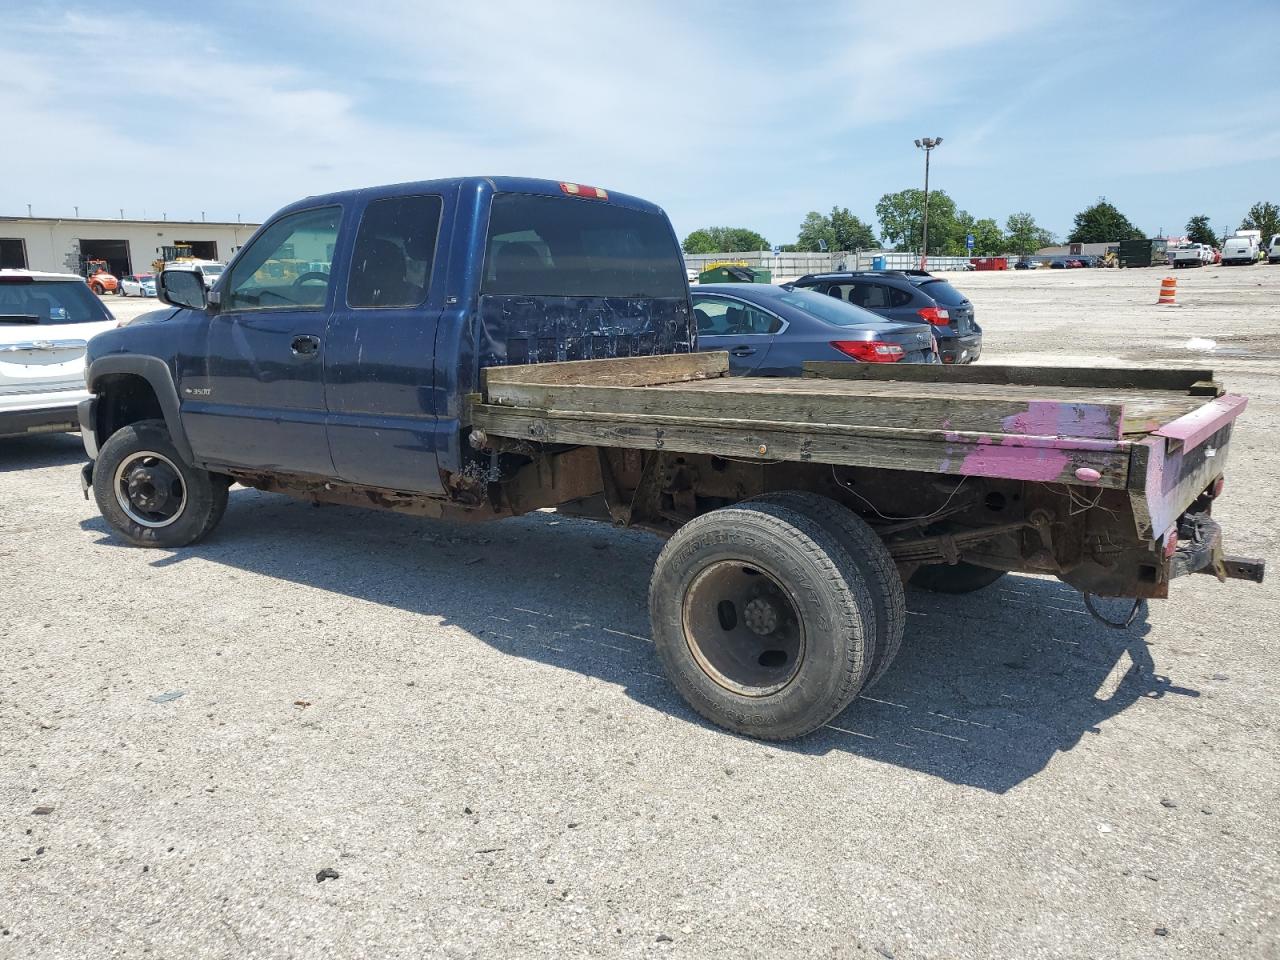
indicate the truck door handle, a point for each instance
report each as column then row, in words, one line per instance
column 743, row 351
column 305, row 346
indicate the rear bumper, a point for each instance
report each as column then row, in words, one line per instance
column 21, row 423
column 964, row 349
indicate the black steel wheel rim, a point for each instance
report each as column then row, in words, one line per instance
column 150, row 490
column 743, row 628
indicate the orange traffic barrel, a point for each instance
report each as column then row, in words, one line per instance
column 1169, row 291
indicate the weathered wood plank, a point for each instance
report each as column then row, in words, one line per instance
column 1144, row 410
column 1143, row 378
column 622, row 372
column 948, row 452
column 941, row 413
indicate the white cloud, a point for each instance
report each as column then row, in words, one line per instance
column 752, row 114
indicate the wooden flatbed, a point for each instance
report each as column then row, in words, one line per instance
column 1101, row 428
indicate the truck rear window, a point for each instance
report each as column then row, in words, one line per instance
column 553, row 247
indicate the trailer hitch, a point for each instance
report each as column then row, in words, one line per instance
column 1199, row 550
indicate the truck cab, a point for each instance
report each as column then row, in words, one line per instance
column 341, row 343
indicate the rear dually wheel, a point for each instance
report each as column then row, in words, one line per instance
column 763, row 622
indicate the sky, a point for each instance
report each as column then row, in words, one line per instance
column 748, row 114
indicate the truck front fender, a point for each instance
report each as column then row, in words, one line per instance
column 155, row 372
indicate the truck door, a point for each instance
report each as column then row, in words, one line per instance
column 379, row 350
column 251, row 385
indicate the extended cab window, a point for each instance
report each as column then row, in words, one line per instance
column 396, row 243
column 287, row 266
column 718, row 317
column 566, row 247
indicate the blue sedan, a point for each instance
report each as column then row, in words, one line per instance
column 771, row 331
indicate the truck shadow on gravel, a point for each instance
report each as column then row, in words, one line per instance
column 42, row 450
column 988, row 687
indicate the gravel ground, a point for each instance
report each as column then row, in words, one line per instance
column 469, row 726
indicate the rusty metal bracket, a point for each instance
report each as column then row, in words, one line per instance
column 613, row 497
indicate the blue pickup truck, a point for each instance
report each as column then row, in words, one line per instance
column 480, row 348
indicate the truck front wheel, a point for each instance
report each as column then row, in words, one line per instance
column 762, row 620
column 149, row 495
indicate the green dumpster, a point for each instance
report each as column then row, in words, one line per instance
column 734, row 273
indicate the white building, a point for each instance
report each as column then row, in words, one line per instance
column 128, row 246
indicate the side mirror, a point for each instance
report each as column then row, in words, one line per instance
column 182, row 288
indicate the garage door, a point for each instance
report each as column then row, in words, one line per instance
column 115, row 252
column 13, row 253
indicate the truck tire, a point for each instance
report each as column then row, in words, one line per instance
column 868, row 551
column 149, row 495
column 763, row 622
column 955, row 578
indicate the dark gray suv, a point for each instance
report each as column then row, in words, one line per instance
column 909, row 296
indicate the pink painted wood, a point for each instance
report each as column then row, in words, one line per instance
column 1199, row 425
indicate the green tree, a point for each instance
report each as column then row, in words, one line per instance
column 988, row 240
column 724, row 240
column 900, row 216
column 851, row 233
column 815, row 227
column 961, row 227
column 1200, row 231
column 841, row 231
column 1024, row 235
column 1102, row 223
column 1265, row 217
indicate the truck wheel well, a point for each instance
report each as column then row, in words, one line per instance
column 125, row 398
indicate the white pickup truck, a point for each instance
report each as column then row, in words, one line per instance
column 1191, row 255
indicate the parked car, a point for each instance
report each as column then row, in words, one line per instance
column 1240, row 249
column 1273, row 250
column 771, row 331
column 46, row 320
column 909, row 297
column 1025, row 264
column 138, row 285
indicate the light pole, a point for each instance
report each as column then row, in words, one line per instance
column 926, row 144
